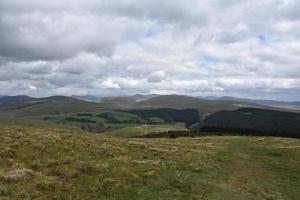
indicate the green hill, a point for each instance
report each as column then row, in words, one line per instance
column 64, row 105
column 124, row 102
column 47, row 106
column 256, row 120
column 115, row 103
column 205, row 107
column 119, row 112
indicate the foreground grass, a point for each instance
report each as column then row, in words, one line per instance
column 49, row 163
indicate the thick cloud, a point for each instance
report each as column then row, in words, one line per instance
column 211, row 47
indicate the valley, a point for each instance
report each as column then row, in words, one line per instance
column 175, row 147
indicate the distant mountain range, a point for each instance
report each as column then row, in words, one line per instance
column 137, row 97
column 205, row 107
column 218, row 114
column 281, row 104
column 89, row 97
column 24, row 105
column 7, row 99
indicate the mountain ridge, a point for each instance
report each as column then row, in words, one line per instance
column 22, row 105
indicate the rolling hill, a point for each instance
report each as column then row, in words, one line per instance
column 205, row 107
column 118, row 103
column 49, row 161
column 27, row 106
column 258, row 120
column 124, row 102
column 46, row 106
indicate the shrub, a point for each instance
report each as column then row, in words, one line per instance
column 83, row 120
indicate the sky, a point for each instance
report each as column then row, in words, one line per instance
column 238, row 48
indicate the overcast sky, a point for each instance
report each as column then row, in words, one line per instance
column 114, row 47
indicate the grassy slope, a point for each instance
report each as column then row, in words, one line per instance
column 140, row 130
column 49, row 163
column 184, row 102
column 47, row 106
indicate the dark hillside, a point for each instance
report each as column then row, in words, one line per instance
column 205, row 107
column 255, row 119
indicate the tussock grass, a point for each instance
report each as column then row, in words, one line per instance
column 16, row 174
column 54, row 163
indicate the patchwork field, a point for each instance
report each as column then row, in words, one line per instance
column 120, row 123
column 54, row 163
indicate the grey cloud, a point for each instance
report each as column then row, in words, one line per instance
column 291, row 9
column 179, row 12
column 56, row 36
column 56, row 30
column 157, row 76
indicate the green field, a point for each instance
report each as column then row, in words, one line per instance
column 55, row 163
column 108, row 117
column 134, row 131
column 116, row 123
